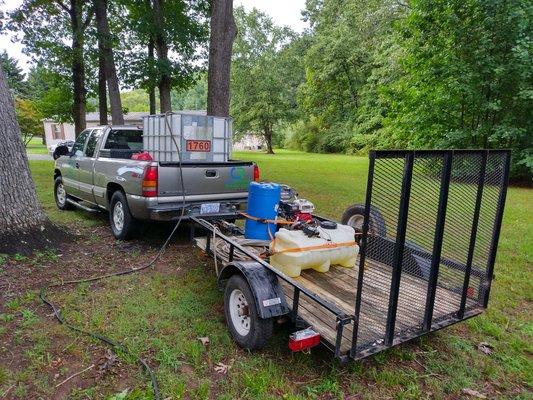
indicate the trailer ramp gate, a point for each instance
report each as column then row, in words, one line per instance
column 443, row 213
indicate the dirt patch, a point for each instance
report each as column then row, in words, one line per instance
column 41, row 237
column 40, row 356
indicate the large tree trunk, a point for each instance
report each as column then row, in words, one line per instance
column 151, row 87
column 78, row 67
column 161, row 47
column 104, row 41
column 268, row 139
column 102, row 89
column 223, row 32
column 23, row 223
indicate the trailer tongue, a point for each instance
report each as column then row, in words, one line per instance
column 428, row 235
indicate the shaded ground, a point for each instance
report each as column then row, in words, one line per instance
column 160, row 313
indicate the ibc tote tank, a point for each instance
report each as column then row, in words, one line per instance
column 263, row 200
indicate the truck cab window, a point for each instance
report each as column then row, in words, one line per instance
column 93, row 142
column 123, row 143
column 79, row 144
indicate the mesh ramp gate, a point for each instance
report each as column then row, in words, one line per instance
column 442, row 212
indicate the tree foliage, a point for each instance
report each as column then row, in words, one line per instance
column 437, row 74
column 265, row 75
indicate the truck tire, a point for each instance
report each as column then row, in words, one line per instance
column 355, row 214
column 60, row 195
column 247, row 329
column 122, row 223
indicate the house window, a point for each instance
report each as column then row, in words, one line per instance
column 57, row 131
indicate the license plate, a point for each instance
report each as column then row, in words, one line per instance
column 209, row 208
column 198, row 145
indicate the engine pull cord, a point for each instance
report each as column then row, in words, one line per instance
column 114, row 344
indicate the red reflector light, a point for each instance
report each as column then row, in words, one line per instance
column 149, row 185
column 470, row 292
column 303, row 340
column 256, row 173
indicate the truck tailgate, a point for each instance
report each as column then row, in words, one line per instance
column 205, row 179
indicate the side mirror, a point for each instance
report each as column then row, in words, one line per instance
column 60, row 151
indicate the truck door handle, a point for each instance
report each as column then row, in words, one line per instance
column 211, row 173
column 77, row 165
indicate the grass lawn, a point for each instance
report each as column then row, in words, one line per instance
column 160, row 314
column 36, row 146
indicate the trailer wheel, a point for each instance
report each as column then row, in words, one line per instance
column 60, row 195
column 246, row 328
column 354, row 216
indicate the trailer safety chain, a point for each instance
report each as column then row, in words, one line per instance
column 114, row 344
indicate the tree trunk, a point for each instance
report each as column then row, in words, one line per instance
column 223, row 32
column 268, row 139
column 102, row 89
column 104, row 41
column 23, row 223
column 78, row 67
column 151, row 87
column 161, row 48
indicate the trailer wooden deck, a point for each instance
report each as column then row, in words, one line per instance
column 339, row 286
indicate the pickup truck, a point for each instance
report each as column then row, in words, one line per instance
column 100, row 173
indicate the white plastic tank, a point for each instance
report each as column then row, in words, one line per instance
column 198, row 137
column 293, row 251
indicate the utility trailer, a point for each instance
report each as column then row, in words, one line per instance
column 428, row 234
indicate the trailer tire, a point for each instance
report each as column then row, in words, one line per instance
column 61, row 196
column 249, row 331
column 122, row 223
column 355, row 215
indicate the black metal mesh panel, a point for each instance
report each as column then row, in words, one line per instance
column 466, row 169
column 421, row 222
column 400, row 278
column 493, row 186
column 375, row 291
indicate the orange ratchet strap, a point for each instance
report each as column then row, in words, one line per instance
column 267, row 221
column 308, row 248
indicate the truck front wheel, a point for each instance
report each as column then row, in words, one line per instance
column 60, row 195
column 246, row 327
column 122, row 223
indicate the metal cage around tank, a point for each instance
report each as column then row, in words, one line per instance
column 165, row 137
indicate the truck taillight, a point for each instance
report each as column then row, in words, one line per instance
column 256, row 173
column 149, row 186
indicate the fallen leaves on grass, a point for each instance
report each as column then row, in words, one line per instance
column 485, row 348
column 474, row 393
column 204, row 340
column 107, row 362
column 222, row 368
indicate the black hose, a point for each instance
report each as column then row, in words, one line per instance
column 110, row 342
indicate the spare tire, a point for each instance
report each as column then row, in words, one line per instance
column 354, row 216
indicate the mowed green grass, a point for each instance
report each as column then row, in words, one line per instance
column 161, row 317
column 36, row 146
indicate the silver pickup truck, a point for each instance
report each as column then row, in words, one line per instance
column 99, row 171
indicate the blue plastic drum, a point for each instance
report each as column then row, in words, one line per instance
column 263, row 200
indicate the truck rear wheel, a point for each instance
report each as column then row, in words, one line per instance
column 122, row 223
column 246, row 327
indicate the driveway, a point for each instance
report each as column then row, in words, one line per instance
column 40, row 157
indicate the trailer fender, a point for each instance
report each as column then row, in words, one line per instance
column 267, row 291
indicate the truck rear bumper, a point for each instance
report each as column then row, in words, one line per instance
column 161, row 209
